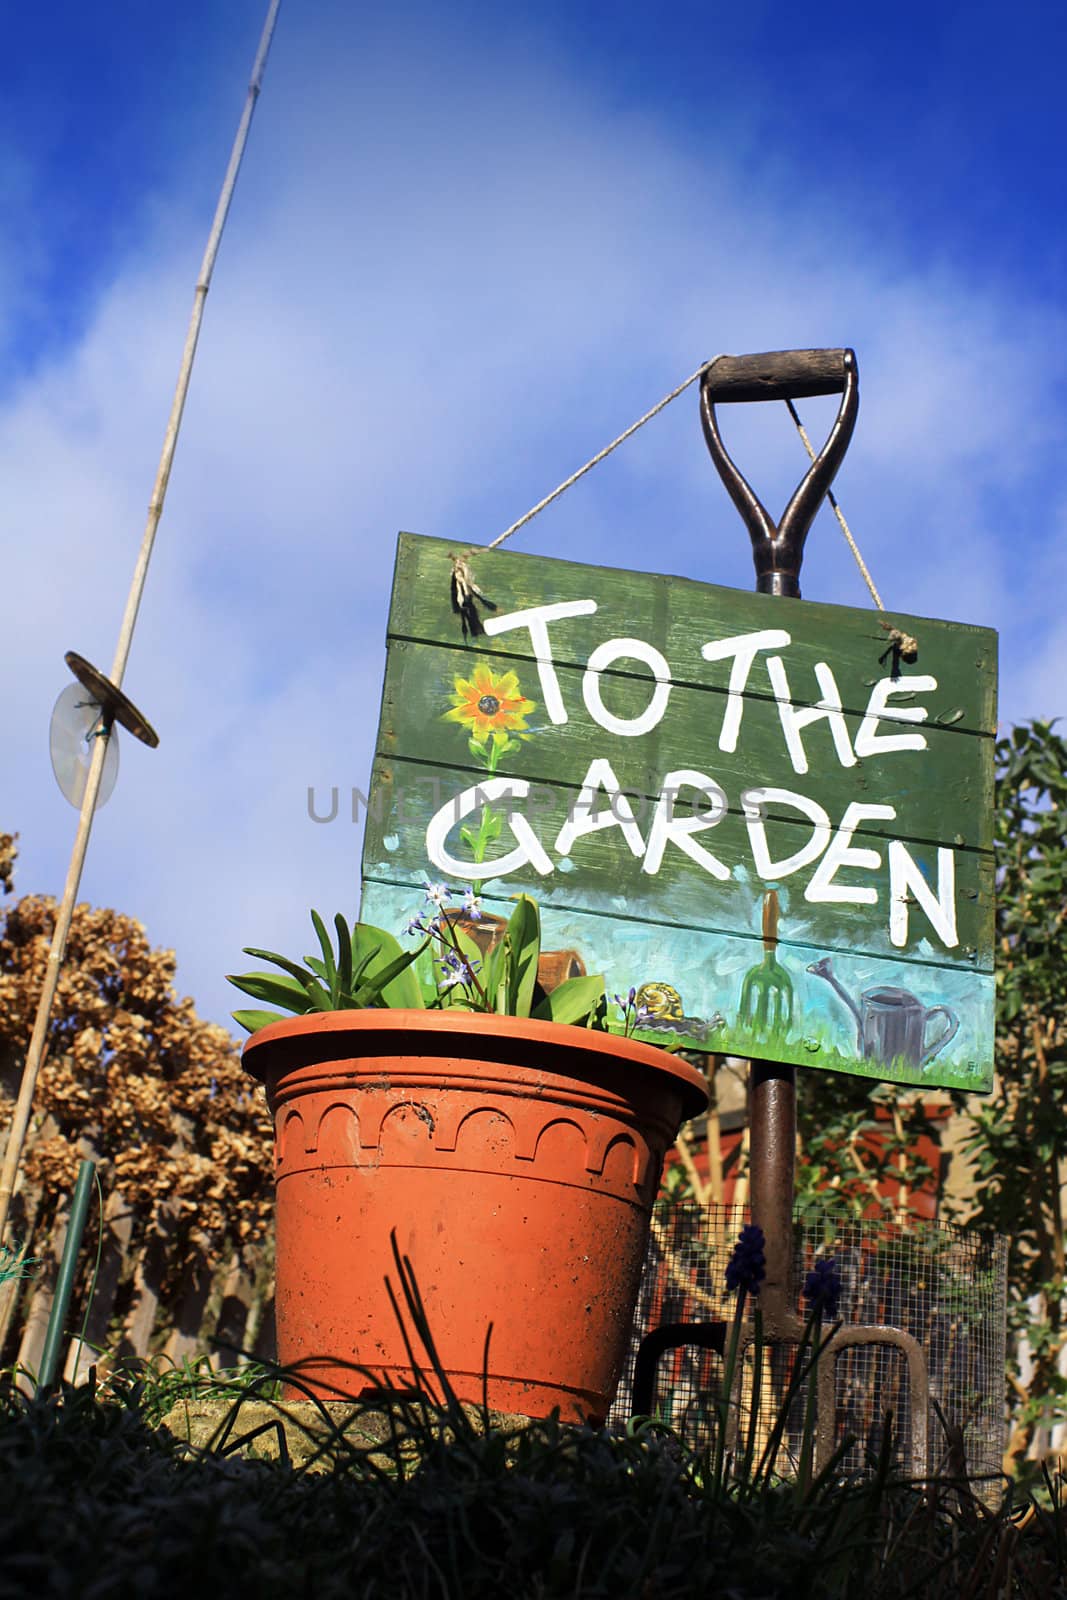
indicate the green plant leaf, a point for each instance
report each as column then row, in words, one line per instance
column 277, row 991
column 300, row 973
column 493, row 977
column 254, row 1020
column 344, row 955
column 524, row 950
column 386, row 977
column 396, row 977
column 574, row 1001
column 330, row 974
column 320, row 998
column 424, row 973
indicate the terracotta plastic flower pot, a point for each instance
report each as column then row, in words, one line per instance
column 517, row 1162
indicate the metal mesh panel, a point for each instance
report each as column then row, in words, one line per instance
column 945, row 1285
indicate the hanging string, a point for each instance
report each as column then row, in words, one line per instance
column 465, row 593
column 900, row 643
column 838, row 513
column 614, row 445
column 466, row 596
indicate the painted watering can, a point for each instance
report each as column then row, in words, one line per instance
column 891, row 1023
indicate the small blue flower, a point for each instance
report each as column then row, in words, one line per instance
column 416, row 925
column 453, row 962
column 472, row 906
column 747, row 1267
column 456, row 970
column 822, row 1287
column 437, row 894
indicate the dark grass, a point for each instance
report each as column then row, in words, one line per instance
column 99, row 1503
column 419, row 1496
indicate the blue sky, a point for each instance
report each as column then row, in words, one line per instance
column 469, row 246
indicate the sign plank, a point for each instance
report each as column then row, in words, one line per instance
column 750, row 809
column 618, row 863
column 690, row 736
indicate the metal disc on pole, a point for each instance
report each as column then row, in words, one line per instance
column 85, row 711
column 78, row 720
column 108, row 695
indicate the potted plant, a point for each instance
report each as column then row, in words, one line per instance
column 511, row 1139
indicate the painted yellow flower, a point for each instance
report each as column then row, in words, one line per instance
column 488, row 703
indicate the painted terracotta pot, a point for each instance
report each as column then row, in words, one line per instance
column 517, row 1162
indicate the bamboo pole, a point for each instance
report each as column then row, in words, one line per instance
column 34, row 1055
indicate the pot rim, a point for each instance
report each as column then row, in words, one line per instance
column 556, row 1035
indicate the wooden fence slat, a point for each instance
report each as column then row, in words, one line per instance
column 265, row 1344
column 185, row 1337
column 148, row 1282
column 233, row 1325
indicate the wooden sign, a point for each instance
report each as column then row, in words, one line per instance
column 750, row 810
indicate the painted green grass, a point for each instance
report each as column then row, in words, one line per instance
column 814, row 1048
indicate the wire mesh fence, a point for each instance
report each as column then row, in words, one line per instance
column 945, row 1285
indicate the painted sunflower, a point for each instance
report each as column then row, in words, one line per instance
column 489, row 704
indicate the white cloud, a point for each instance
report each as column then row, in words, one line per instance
column 440, row 292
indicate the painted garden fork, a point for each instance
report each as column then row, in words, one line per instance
column 767, row 992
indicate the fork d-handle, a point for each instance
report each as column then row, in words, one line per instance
column 778, row 548
column 669, row 1336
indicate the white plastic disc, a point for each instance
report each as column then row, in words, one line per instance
column 72, row 738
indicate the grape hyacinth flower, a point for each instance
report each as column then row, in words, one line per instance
column 822, row 1288
column 747, row 1267
column 745, row 1272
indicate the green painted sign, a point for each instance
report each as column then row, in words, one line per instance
column 748, row 809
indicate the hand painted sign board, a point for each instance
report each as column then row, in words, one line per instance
column 747, row 808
